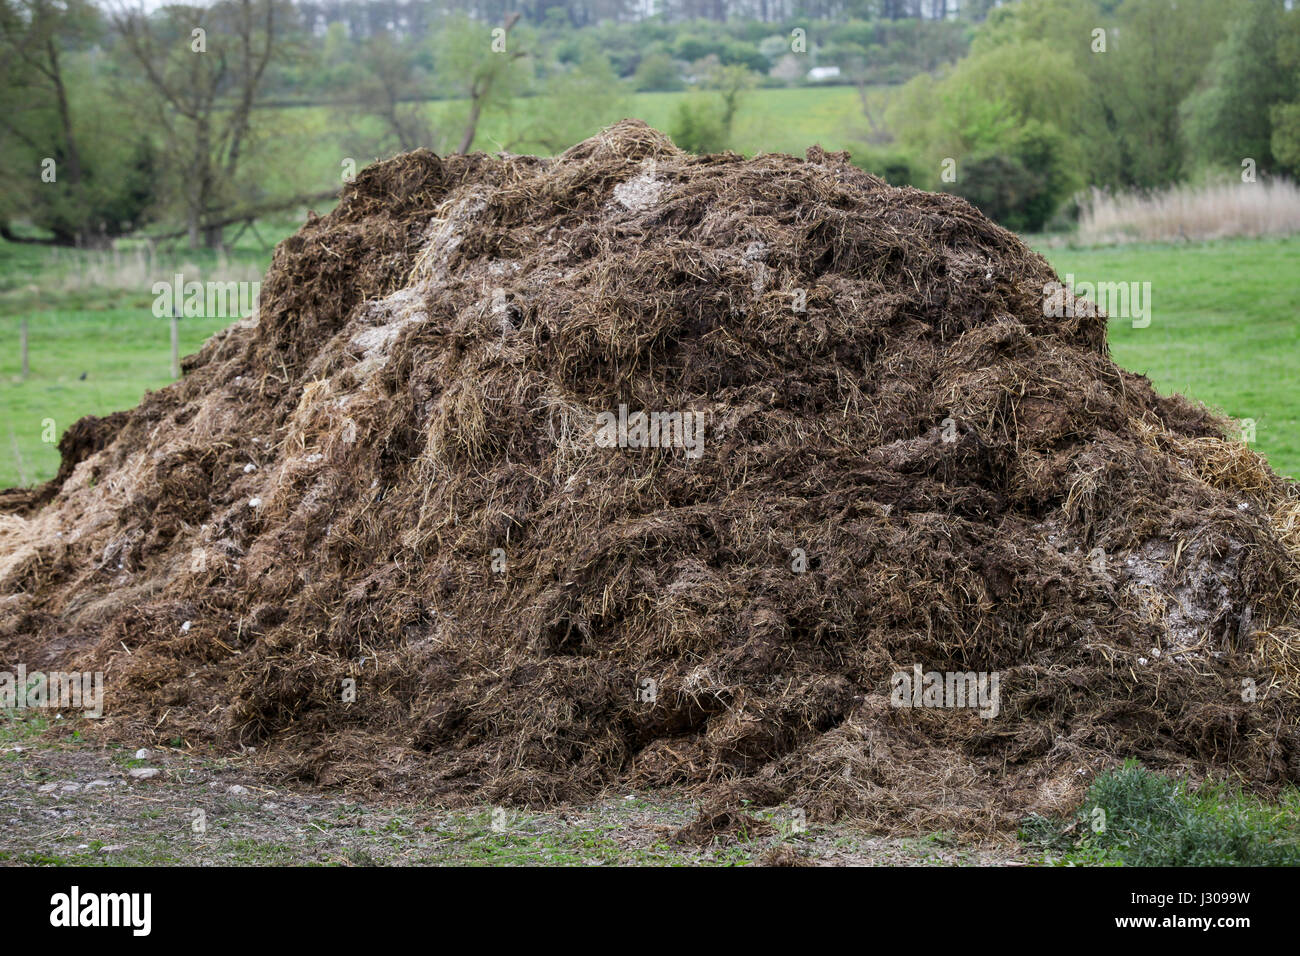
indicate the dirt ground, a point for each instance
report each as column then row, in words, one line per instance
column 67, row 802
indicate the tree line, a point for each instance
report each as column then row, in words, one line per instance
column 124, row 116
column 1058, row 95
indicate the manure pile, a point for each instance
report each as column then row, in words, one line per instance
column 401, row 473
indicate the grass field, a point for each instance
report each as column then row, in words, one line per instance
column 93, row 349
column 1225, row 327
column 776, row 121
column 769, row 120
column 1224, row 330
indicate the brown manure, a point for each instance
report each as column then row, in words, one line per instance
column 384, row 532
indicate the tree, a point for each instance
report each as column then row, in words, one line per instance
column 391, row 90
column 703, row 124
column 1151, row 66
column 576, row 102
column 79, row 166
column 657, row 72
column 732, row 84
column 1231, row 117
column 203, row 67
column 480, row 65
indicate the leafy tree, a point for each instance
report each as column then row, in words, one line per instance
column 577, row 102
column 482, row 67
column 80, row 166
column 1285, row 117
column 980, row 104
column 657, row 72
column 732, row 83
column 1230, row 117
column 1130, row 82
column 703, row 124
column 1152, row 64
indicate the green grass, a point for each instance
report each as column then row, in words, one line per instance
column 92, row 350
column 1225, row 327
column 769, row 120
column 122, row 352
column 1134, row 817
column 776, row 121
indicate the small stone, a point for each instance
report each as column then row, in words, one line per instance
column 144, row 773
column 142, row 754
column 70, row 787
column 254, row 502
column 250, row 468
column 96, row 784
column 114, row 848
column 236, row 790
column 185, row 628
column 46, row 787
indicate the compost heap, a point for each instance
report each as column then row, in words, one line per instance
column 392, row 475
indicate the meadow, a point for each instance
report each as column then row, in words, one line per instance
column 1223, row 330
column 318, row 138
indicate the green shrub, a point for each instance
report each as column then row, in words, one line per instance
column 1002, row 188
column 699, row 126
column 657, row 73
column 1139, row 818
column 894, row 167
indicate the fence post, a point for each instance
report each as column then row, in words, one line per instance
column 23, row 332
column 176, row 345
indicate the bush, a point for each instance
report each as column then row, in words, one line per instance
column 895, row 168
column 1285, row 141
column 699, row 127
column 744, row 54
column 1148, row 819
column 691, row 48
column 1023, row 187
column 1000, row 187
column 657, row 73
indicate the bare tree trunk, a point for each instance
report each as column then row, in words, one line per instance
column 65, row 114
column 479, row 93
column 471, row 125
